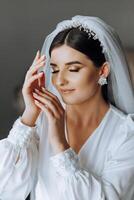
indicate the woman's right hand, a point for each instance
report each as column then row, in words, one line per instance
column 33, row 80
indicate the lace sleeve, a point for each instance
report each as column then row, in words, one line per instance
column 19, row 158
column 21, row 135
column 65, row 163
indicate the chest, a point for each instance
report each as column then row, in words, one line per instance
column 77, row 136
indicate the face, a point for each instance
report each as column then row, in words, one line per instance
column 72, row 70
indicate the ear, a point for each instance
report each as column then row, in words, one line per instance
column 105, row 69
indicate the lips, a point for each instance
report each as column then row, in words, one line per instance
column 66, row 90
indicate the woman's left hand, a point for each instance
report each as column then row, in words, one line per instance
column 50, row 104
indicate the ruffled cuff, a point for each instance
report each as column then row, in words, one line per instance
column 20, row 135
column 66, row 162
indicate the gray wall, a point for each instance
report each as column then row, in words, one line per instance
column 24, row 26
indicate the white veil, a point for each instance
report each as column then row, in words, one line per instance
column 120, row 88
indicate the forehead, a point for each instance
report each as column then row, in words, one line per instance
column 65, row 53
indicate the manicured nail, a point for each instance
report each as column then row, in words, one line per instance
column 43, row 56
column 41, row 73
column 36, row 101
column 37, row 52
column 36, row 90
column 35, row 94
column 44, row 89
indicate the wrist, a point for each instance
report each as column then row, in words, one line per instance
column 29, row 118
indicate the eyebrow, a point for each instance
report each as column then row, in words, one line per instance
column 69, row 63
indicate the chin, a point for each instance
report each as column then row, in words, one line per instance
column 68, row 101
column 73, row 101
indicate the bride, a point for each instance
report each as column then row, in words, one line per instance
column 75, row 139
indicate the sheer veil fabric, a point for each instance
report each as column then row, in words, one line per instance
column 120, row 88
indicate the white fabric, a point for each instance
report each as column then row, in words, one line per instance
column 18, row 162
column 102, row 170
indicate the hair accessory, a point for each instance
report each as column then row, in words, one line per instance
column 88, row 31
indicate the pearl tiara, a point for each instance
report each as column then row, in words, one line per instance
column 89, row 32
column 81, row 27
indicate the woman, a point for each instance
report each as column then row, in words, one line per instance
column 75, row 139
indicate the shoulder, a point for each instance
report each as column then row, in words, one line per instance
column 122, row 129
column 123, row 119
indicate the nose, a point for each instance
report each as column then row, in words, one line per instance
column 61, row 79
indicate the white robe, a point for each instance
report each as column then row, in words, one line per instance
column 102, row 170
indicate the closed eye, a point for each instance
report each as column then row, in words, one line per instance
column 71, row 70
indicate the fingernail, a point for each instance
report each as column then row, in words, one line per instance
column 40, row 73
column 36, row 90
column 34, row 94
column 37, row 52
column 44, row 89
column 36, row 101
column 43, row 56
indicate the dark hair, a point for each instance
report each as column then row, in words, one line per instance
column 80, row 40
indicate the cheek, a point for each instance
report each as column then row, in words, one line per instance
column 85, row 83
column 89, row 81
column 87, row 88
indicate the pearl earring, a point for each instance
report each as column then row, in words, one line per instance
column 102, row 80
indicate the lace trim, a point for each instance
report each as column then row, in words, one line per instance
column 20, row 135
column 66, row 162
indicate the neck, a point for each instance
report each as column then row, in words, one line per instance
column 90, row 111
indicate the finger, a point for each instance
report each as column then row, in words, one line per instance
column 37, row 63
column 51, row 94
column 33, row 71
column 44, row 90
column 38, row 60
column 41, row 80
column 44, row 108
column 33, row 78
column 48, row 102
column 51, row 98
column 37, row 56
column 37, row 67
column 42, row 58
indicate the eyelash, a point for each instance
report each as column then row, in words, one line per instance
column 71, row 70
